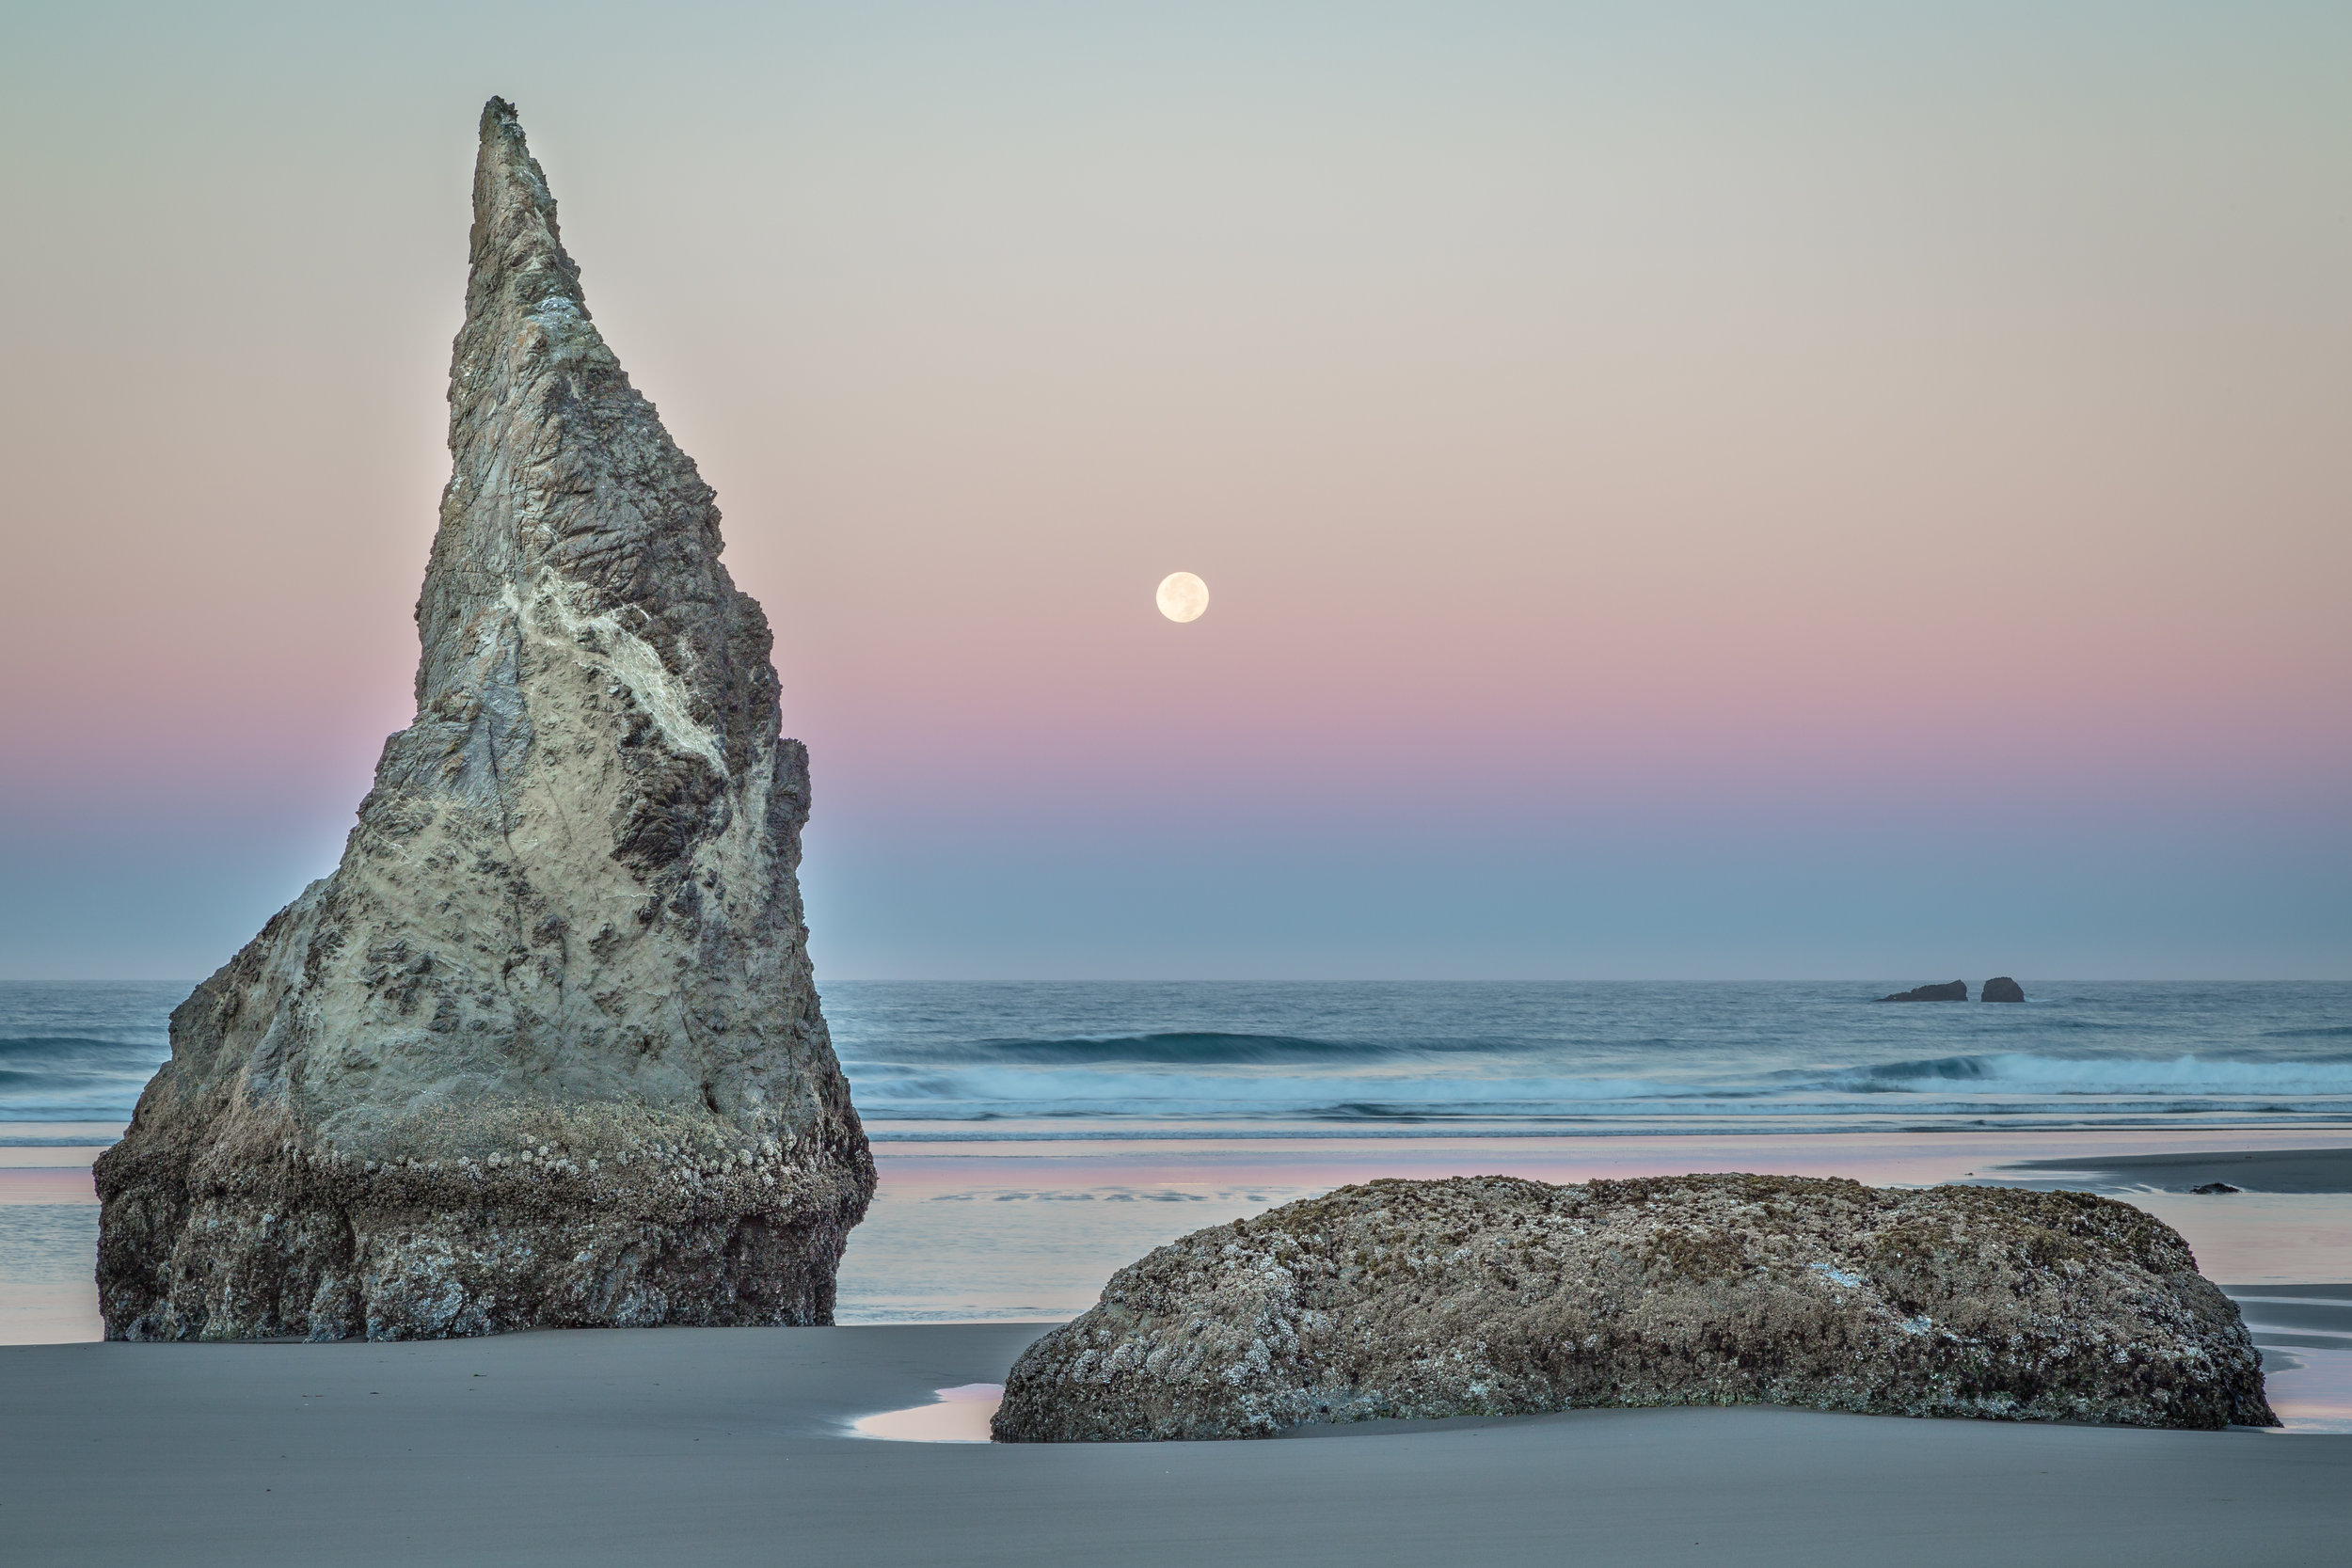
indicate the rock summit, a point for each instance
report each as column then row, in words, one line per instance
column 545, row 1049
column 1493, row 1296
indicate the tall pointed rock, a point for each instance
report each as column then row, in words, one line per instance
column 545, row 1049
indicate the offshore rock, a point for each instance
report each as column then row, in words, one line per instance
column 2002, row 989
column 1492, row 1296
column 545, row 1050
column 1956, row 991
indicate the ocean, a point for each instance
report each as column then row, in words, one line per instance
column 1095, row 1060
column 1032, row 1139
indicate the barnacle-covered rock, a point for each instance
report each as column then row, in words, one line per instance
column 545, row 1049
column 1491, row 1295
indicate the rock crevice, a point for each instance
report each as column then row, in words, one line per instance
column 545, row 1049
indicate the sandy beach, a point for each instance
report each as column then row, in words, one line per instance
column 736, row 1444
column 730, row 1445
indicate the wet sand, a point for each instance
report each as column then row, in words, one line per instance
column 731, row 1446
column 2253, row 1170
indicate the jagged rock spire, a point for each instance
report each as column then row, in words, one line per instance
column 546, row 1048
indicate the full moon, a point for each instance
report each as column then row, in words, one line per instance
column 1182, row 596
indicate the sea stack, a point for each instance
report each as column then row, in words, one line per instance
column 1956, row 990
column 545, row 1050
column 2002, row 989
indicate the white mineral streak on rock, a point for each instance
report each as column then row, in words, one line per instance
column 567, row 923
column 635, row 666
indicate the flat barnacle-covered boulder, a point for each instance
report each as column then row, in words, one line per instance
column 1490, row 1295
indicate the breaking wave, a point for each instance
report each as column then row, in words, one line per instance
column 1948, row 1087
column 68, row 1078
column 83, row 1051
column 2109, row 1075
column 1203, row 1048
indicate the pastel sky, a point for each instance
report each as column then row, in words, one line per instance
column 1689, row 490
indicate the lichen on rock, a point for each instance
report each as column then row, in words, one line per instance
column 546, row 1048
column 1492, row 1295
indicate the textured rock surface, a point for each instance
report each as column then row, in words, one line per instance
column 1489, row 1295
column 2002, row 989
column 1956, row 991
column 545, row 1048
